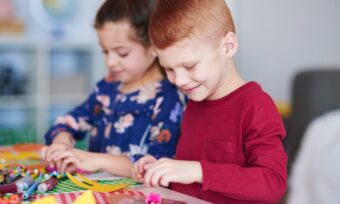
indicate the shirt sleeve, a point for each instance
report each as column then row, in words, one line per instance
column 164, row 130
column 78, row 121
column 263, row 177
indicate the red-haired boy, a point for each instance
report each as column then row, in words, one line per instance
column 230, row 149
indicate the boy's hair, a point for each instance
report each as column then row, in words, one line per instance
column 136, row 12
column 174, row 20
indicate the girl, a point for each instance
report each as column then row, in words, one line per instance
column 133, row 111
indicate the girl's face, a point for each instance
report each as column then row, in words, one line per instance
column 126, row 57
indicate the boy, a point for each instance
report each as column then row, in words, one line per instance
column 230, row 150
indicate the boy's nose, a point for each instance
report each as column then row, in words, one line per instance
column 180, row 79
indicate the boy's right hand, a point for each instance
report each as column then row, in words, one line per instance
column 140, row 167
column 62, row 142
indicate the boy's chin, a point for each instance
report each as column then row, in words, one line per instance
column 197, row 98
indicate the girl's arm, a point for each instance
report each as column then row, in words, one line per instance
column 78, row 121
column 89, row 161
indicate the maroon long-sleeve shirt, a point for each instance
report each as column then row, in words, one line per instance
column 238, row 141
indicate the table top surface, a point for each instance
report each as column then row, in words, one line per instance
column 163, row 192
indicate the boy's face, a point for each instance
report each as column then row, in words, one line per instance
column 126, row 58
column 199, row 69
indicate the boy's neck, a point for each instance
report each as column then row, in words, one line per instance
column 232, row 82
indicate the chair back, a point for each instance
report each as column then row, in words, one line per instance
column 314, row 93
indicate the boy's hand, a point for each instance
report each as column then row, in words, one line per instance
column 141, row 166
column 165, row 171
column 77, row 159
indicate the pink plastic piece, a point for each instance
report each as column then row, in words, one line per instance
column 153, row 198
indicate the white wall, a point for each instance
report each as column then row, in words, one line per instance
column 278, row 38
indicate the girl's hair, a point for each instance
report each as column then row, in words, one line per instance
column 136, row 12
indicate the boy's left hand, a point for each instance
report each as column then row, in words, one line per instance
column 165, row 171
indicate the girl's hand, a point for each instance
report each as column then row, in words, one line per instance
column 62, row 142
column 165, row 171
column 141, row 166
column 76, row 159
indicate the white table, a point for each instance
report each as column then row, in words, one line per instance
column 163, row 192
column 170, row 194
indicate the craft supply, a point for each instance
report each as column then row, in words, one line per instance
column 15, row 178
column 4, row 176
column 153, row 198
column 31, row 189
column 47, row 200
column 97, row 187
column 50, row 169
column 66, row 185
column 24, row 183
column 101, row 198
column 10, row 199
column 47, row 185
column 86, row 197
column 8, row 188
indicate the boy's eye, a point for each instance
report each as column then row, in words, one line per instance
column 105, row 52
column 190, row 67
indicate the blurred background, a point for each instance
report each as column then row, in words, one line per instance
column 50, row 60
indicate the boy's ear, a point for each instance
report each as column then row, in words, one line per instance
column 230, row 44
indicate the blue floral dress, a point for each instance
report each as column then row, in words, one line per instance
column 146, row 121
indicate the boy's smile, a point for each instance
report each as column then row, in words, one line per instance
column 199, row 69
column 190, row 90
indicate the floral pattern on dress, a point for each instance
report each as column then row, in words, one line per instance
column 146, row 121
column 123, row 123
column 155, row 130
column 94, row 132
column 146, row 93
column 164, row 136
column 156, row 109
column 136, row 150
column 67, row 120
column 105, row 101
column 83, row 125
column 176, row 113
column 108, row 130
column 114, row 150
